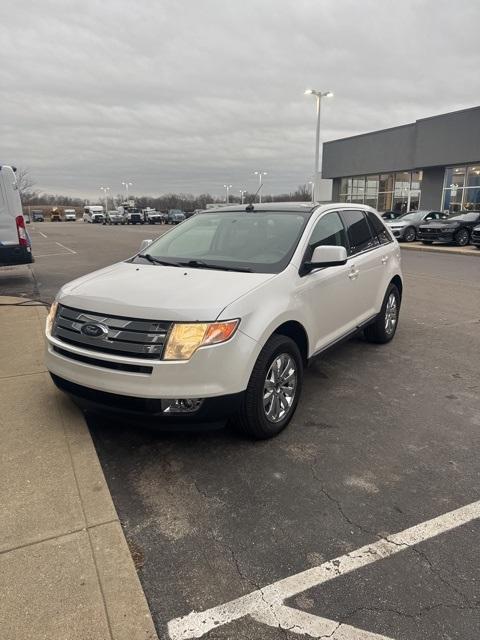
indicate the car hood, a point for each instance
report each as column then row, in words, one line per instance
column 398, row 223
column 158, row 292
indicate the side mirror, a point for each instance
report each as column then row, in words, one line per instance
column 145, row 244
column 326, row 256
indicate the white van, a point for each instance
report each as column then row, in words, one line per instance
column 15, row 245
column 93, row 213
column 69, row 214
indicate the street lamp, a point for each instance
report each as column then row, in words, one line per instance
column 105, row 193
column 312, row 189
column 242, row 195
column 126, row 186
column 318, row 95
column 260, row 175
column 227, row 188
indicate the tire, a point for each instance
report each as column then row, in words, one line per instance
column 427, row 241
column 382, row 330
column 410, row 234
column 462, row 238
column 251, row 419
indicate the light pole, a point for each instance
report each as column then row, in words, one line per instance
column 260, row 175
column 126, row 186
column 242, row 195
column 227, row 188
column 318, row 95
column 312, row 189
column 105, row 193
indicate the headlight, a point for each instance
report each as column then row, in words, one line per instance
column 185, row 338
column 51, row 316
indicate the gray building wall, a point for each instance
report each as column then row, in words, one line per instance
column 452, row 138
column 432, row 186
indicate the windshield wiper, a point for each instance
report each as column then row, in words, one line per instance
column 201, row 264
column 150, row 258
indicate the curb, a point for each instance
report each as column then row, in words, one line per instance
column 451, row 250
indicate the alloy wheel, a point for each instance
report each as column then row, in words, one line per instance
column 391, row 314
column 462, row 237
column 280, row 388
column 410, row 234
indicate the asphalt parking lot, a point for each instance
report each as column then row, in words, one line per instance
column 386, row 438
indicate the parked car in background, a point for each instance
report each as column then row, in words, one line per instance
column 391, row 215
column 475, row 237
column 15, row 245
column 37, row 215
column 114, row 217
column 152, row 216
column 219, row 317
column 69, row 215
column 405, row 227
column 93, row 214
column 457, row 229
column 132, row 215
column 175, row 216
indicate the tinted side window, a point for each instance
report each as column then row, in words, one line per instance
column 379, row 228
column 328, row 230
column 360, row 236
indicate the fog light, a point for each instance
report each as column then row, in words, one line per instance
column 181, row 405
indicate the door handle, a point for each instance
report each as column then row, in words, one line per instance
column 384, row 259
column 353, row 273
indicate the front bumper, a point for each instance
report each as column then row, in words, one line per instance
column 444, row 236
column 398, row 233
column 216, row 370
column 147, row 410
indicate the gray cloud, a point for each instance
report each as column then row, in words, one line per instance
column 186, row 95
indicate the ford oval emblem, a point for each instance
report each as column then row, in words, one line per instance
column 94, row 330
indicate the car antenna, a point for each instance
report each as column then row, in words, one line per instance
column 250, row 207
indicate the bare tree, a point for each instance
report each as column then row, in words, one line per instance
column 25, row 183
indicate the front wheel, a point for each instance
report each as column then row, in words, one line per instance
column 461, row 238
column 383, row 328
column 273, row 390
column 410, row 234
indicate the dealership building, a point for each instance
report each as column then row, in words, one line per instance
column 433, row 163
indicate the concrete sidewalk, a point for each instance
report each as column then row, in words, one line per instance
column 66, row 572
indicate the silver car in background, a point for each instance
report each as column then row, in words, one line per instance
column 405, row 228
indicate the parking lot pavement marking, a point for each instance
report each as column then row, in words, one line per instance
column 64, row 247
column 48, row 255
column 266, row 604
column 43, row 234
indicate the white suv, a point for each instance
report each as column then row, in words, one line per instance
column 218, row 317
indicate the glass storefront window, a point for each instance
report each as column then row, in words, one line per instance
column 385, row 182
column 471, row 199
column 371, row 187
column 454, row 176
column 416, row 180
column 400, row 203
column 402, row 183
column 385, row 201
column 346, row 185
column 473, row 176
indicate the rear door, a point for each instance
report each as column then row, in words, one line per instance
column 8, row 227
column 368, row 258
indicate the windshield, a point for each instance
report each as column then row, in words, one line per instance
column 262, row 242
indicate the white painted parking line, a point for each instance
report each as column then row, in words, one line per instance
column 42, row 234
column 266, row 604
column 64, row 247
column 47, row 255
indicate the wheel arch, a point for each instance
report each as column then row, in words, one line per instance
column 296, row 331
column 397, row 281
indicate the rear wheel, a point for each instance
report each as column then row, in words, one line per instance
column 384, row 327
column 461, row 237
column 273, row 390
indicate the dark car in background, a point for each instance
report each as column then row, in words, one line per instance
column 175, row 216
column 475, row 237
column 37, row 215
column 457, row 229
column 406, row 227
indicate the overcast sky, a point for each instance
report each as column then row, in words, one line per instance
column 186, row 95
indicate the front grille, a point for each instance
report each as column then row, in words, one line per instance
column 105, row 364
column 431, row 231
column 122, row 336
